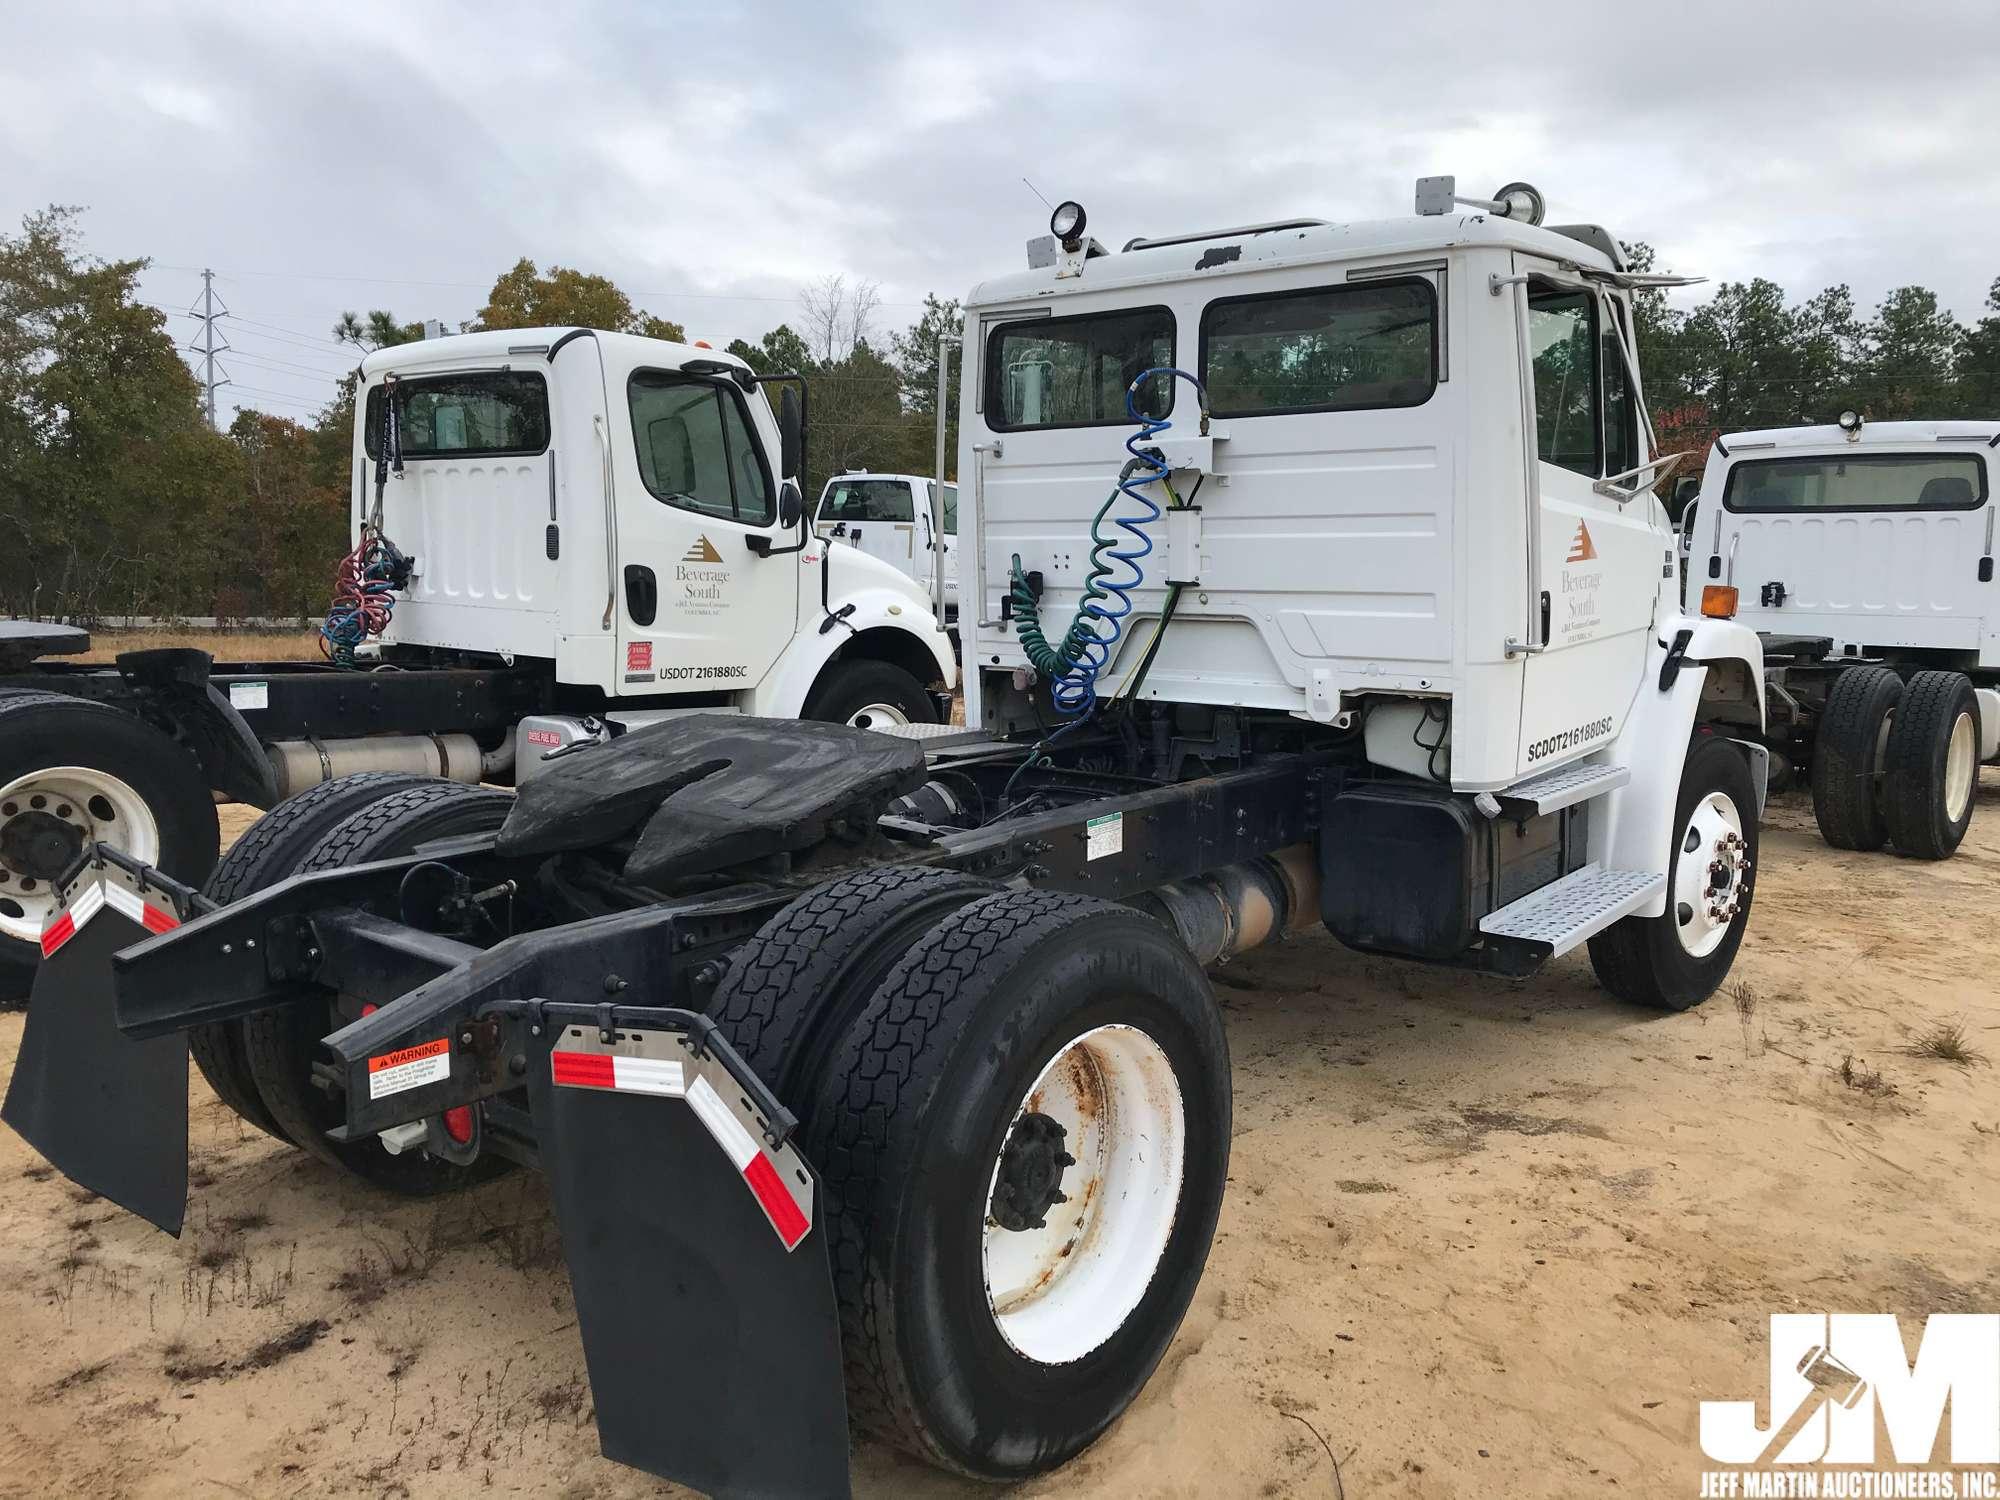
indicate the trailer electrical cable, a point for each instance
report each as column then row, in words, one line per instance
column 365, row 580
column 1072, row 667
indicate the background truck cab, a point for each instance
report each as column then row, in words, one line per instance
column 889, row 516
column 1879, row 535
column 624, row 509
column 1862, row 554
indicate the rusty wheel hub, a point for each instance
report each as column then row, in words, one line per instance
column 1029, row 1182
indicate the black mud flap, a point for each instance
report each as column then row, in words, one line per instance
column 703, row 1288
column 109, row 1112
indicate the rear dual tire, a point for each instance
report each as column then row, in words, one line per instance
column 999, row 1308
column 1930, row 771
column 281, row 1045
column 1847, row 757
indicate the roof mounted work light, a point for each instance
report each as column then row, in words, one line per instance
column 1067, row 223
column 1850, row 423
column 1520, row 201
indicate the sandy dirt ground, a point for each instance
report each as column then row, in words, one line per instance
column 1482, row 1239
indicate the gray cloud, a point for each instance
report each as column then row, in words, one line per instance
column 716, row 158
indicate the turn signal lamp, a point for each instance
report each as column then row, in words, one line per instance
column 1718, row 601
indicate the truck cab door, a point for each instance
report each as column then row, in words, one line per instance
column 698, row 610
column 926, row 552
column 1596, row 562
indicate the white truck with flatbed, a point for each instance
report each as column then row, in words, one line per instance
column 1313, row 577
column 1863, row 555
column 561, row 535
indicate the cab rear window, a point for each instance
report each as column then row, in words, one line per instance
column 1858, row 481
column 485, row 414
column 1338, row 348
column 1073, row 372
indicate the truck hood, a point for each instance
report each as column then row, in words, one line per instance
column 853, row 570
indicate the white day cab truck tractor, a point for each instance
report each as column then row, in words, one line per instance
column 896, row 517
column 562, row 535
column 1862, row 554
column 1314, row 577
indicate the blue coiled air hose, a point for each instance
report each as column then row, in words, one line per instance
column 1071, row 666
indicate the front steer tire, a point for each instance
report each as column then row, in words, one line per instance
column 1930, row 770
column 1847, row 757
column 270, row 851
column 908, row 1128
column 848, row 690
column 281, row 1044
column 1643, row 960
column 41, row 732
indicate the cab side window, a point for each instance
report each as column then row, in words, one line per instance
column 1563, row 344
column 695, row 447
column 1586, row 412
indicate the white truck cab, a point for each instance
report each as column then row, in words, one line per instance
column 889, row 516
column 626, row 510
column 1391, row 481
column 1878, row 535
column 1862, row 554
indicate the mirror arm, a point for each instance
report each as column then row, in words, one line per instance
column 1658, row 468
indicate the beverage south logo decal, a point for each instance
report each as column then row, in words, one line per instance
column 1577, row 617
column 700, row 581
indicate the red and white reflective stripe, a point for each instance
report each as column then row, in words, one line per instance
column 631, row 1075
column 646, row 1075
column 745, row 1156
column 91, row 900
column 130, row 903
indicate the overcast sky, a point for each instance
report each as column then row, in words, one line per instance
column 713, row 158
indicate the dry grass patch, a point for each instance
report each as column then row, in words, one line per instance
column 223, row 645
column 1946, row 1041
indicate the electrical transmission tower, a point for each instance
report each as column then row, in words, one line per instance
column 212, row 342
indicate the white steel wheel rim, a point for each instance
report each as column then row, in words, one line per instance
column 1961, row 761
column 97, row 806
column 875, row 715
column 1711, row 874
column 1059, row 1291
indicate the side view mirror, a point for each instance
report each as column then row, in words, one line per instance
column 1682, row 495
column 791, row 504
column 791, row 438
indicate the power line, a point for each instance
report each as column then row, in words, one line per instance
column 487, row 286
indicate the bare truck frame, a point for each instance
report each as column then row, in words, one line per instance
column 876, row 1073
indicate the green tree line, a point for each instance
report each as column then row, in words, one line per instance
column 116, row 498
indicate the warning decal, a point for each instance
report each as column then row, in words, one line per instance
column 1104, row 836
column 409, row 1068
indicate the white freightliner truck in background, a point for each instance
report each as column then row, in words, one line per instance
column 1863, row 555
column 895, row 517
column 587, row 532
column 1313, row 576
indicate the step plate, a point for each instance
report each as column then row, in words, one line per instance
column 1567, row 786
column 1565, row 912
